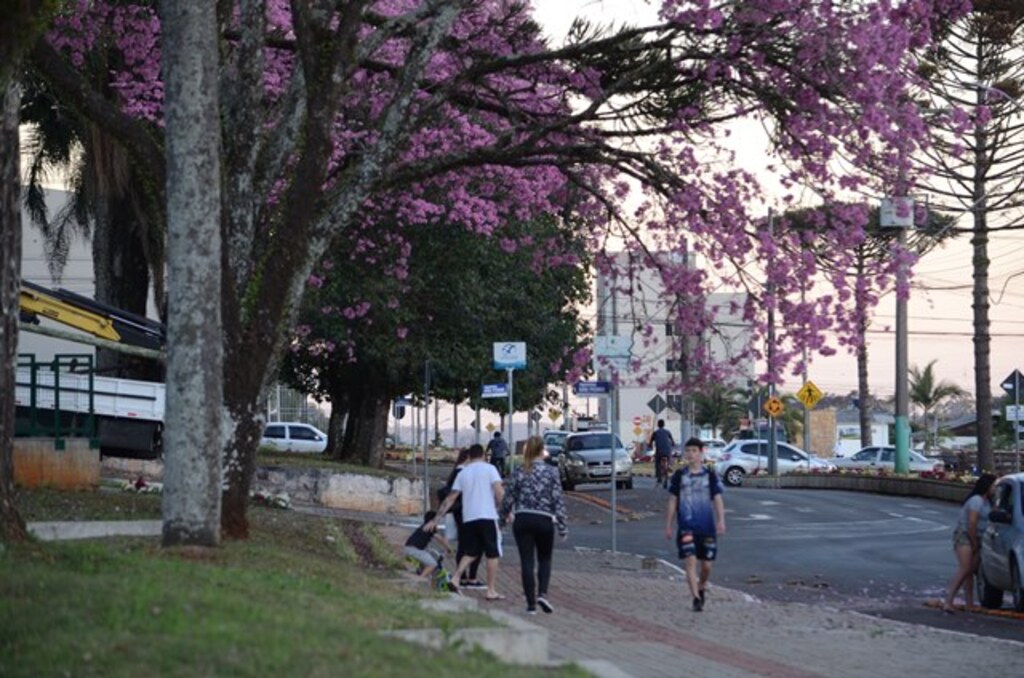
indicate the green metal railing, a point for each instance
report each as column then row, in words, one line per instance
column 37, row 419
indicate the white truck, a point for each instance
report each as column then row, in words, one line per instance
column 128, row 414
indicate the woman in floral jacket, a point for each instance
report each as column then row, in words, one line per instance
column 534, row 496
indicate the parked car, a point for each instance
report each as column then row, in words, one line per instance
column 884, row 457
column 587, row 458
column 554, row 443
column 1002, row 546
column 293, row 436
column 713, row 448
column 741, row 457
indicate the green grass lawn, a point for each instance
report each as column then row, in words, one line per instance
column 304, row 596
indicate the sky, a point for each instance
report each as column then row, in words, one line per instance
column 939, row 309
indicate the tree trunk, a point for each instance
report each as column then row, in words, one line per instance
column 336, row 425
column 12, row 527
column 193, row 422
column 863, row 394
column 980, row 305
column 368, row 443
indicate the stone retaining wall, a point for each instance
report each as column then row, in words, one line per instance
column 321, row 486
column 907, row 487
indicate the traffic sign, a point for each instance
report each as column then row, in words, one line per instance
column 494, row 391
column 554, row 414
column 774, row 407
column 657, row 404
column 509, row 355
column 1015, row 413
column 591, row 388
column 1012, row 385
column 809, row 395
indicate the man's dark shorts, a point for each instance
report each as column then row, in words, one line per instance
column 480, row 537
column 703, row 546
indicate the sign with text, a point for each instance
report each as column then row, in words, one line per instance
column 1012, row 385
column 897, row 212
column 494, row 391
column 592, row 388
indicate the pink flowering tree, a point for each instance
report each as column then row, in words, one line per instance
column 331, row 109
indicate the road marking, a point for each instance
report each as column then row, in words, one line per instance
column 769, row 502
column 753, row 516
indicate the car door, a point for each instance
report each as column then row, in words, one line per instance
column 995, row 541
column 275, row 436
column 866, row 458
column 304, row 439
column 790, row 459
column 887, row 459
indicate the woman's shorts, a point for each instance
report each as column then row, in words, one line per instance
column 960, row 538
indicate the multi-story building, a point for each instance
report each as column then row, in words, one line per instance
column 640, row 311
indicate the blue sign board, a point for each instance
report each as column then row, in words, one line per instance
column 592, row 388
column 495, row 391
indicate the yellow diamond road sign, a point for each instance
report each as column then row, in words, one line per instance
column 773, row 407
column 809, row 395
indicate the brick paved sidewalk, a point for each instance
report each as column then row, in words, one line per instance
column 610, row 607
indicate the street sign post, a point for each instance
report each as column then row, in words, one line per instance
column 774, row 407
column 510, row 356
column 1012, row 385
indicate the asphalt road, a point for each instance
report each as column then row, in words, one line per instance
column 874, row 553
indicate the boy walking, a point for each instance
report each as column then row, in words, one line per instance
column 695, row 501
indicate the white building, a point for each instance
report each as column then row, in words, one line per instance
column 640, row 312
column 77, row 276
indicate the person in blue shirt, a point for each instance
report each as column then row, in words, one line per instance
column 662, row 442
column 695, row 503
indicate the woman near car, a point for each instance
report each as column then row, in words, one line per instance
column 967, row 540
column 534, row 496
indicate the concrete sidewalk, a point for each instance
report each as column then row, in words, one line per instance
column 632, row 617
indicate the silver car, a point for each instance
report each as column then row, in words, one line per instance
column 884, row 457
column 587, row 458
column 741, row 457
column 1002, row 546
column 554, row 443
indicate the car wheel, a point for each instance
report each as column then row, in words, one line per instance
column 988, row 595
column 629, row 484
column 1018, row 586
column 734, row 475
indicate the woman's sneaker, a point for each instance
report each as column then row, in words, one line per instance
column 531, row 610
column 545, row 605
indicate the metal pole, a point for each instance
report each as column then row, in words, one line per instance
column 902, row 387
column 773, row 451
column 807, row 410
column 565, row 406
column 614, row 415
column 426, row 436
column 511, row 439
column 1016, row 422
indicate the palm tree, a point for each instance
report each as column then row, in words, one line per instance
column 719, row 407
column 927, row 394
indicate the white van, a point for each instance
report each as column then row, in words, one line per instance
column 293, row 436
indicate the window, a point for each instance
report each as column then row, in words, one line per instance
column 889, row 456
column 274, row 432
column 304, row 433
column 669, row 330
column 866, row 455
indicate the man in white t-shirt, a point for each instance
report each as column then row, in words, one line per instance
column 479, row 485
